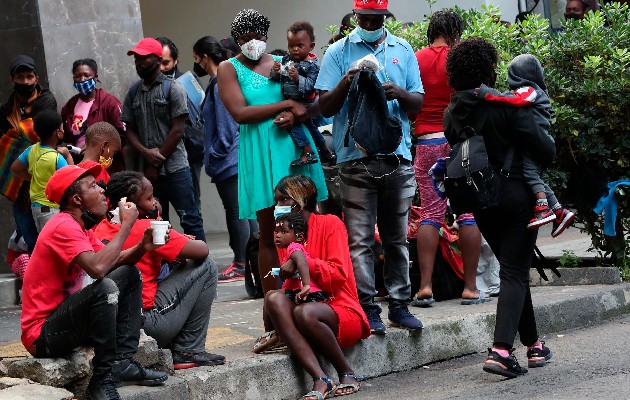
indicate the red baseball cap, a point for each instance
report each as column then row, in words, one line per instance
column 378, row 7
column 147, row 46
column 61, row 180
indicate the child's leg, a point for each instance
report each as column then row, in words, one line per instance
column 554, row 204
column 299, row 138
column 317, row 136
column 531, row 174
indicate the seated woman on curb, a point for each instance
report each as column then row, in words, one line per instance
column 322, row 327
column 176, row 309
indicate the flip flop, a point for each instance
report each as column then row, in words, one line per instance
column 355, row 386
column 268, row 341
column 422, row 302
column 481, row 299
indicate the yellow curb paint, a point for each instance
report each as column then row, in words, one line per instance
column 221, row 337
column 11, row 350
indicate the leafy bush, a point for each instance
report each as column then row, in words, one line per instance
column 587, row 67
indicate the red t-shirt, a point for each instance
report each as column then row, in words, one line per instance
column 103, row 176
column 330, row 265
column 151, row 263
column 437, row 93
column 52, row 276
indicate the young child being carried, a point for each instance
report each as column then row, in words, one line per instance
column 297, row 74
column 40, row 161
column 291, row 230
column 526, row 80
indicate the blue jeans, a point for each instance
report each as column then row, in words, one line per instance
column 179, row 318
column 177, row 188
column 378, row 190
column 239, row 230
column 299, row 137
column 25, row 226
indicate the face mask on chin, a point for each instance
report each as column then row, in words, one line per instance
column 150, row 214
column 24, row 89
column 254, row 49
column 146, row 73
column 170, row 72
column 89, row 219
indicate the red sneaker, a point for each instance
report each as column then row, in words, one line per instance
column 542, row 215
column 233, row 273
column 564, row 219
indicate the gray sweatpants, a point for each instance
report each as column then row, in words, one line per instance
column 531, row 173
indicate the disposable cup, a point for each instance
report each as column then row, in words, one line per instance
column 159, row 231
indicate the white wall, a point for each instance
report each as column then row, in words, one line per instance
column 190, row 20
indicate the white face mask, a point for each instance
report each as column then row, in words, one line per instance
column 281, row 210
column 254, row 49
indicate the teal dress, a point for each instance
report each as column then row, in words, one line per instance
column 265, row 151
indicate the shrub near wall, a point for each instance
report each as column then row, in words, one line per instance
column 587, row 66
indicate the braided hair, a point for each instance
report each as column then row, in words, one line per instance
column 296, row 222
column 123, row 184
column 447, row 24
column 249, row 21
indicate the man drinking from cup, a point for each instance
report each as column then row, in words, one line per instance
column 177, row 295
column 57, row 315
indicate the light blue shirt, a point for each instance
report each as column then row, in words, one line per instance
column 400, row 66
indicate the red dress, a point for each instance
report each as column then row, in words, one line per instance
column 331, row 268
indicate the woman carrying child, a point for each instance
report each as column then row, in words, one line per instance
column 265, row 148
column 325, row 327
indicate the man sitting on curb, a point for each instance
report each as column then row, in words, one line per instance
column 57, row 316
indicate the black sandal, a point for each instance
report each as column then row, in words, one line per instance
column 310, row 159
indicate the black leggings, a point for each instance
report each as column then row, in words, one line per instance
column 505, row 229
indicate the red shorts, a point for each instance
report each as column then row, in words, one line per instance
column 350, row 327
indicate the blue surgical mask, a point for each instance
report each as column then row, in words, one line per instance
column 281, row 210
column 85, row 87
column 370, row 36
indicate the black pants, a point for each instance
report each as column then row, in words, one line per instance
column 105, row 314
column 505, row 229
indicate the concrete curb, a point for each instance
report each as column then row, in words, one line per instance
column 578, row 276
column 449, row 332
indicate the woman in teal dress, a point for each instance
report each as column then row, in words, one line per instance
column 265, row 147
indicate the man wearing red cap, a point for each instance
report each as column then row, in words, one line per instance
column 155, row 111
column 382, row 186
column 57, row 315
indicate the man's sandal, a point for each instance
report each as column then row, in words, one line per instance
column 268, row 341
column 330, row 389
column 354, row 386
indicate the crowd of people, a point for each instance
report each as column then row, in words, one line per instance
column 97, row 274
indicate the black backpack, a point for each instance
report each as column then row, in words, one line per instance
column 471, row 182
column 193, row 126
column 373, row 129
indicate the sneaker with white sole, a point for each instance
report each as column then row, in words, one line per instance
column 233, row 273
column 538, row 357
column 542, row 215
column 564, row 219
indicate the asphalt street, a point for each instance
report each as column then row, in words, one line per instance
column 592, row 363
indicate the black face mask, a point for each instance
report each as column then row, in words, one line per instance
column 146, row 73
column 170, row 72
column 89, row 220
column 572, row 16
column 24, row 89
column 198, row 70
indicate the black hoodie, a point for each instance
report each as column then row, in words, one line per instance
column 502, row 126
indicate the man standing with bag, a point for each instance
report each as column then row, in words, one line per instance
column 155, row 111
column 380, row 186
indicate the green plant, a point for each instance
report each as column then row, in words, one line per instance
column 569, row 259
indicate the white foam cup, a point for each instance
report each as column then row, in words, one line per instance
column 159, row 231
